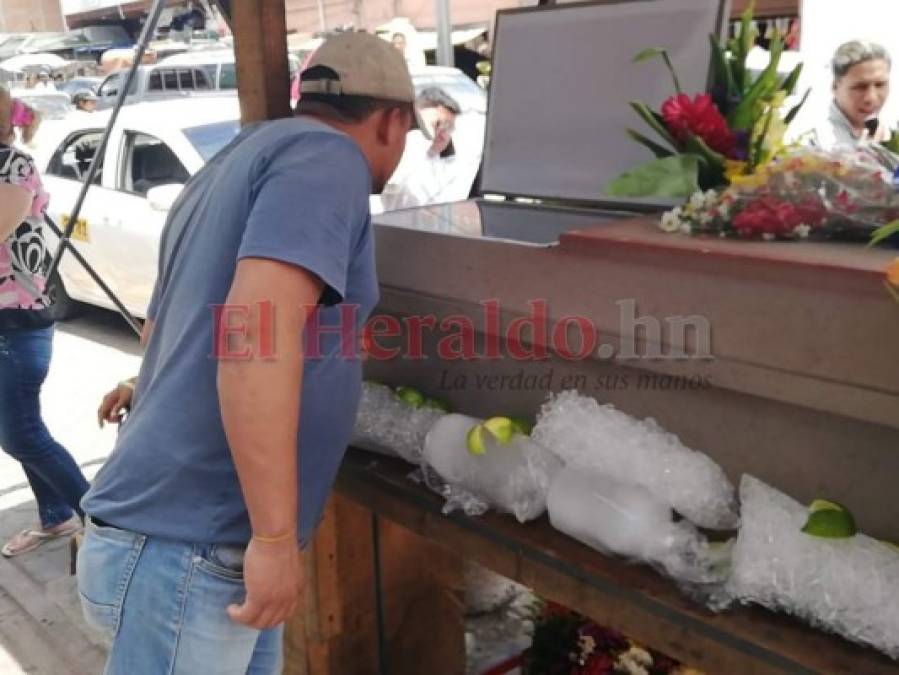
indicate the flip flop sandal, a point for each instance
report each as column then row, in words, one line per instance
column 28, row 540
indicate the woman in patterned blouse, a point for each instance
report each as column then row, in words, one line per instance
column 26, row 338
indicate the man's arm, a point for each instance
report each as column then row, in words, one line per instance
column 260, row 405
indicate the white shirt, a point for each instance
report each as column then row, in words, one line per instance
column 424, row 177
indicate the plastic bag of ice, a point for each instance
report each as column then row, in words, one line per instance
column 587, row 435
column 512, row 477
column 848, row 586
column 387, row 425
column 626, row 519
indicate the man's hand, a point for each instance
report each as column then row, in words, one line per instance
column 115, row 404
column 273, row 579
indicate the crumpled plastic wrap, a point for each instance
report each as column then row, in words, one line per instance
column 845, row 191
column 513, row 478
column 625, row 519
column 389, row 426
column 587, row 435
column 847, row 586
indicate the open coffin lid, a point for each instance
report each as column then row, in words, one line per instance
column 563, row 76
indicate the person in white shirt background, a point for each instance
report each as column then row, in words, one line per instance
column 430, row 171
column 44, row 83
column 861, row 86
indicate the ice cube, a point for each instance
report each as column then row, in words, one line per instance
column 387, row 425
column 848, row 586
column 587, row 435
column 513, row 477
column 608, row 515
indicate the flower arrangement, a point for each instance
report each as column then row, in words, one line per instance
column 809, row 191
column 708, row 139
column 566, row 643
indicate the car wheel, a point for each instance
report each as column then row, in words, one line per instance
column 64, row 307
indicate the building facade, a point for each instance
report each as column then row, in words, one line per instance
column 30, row 16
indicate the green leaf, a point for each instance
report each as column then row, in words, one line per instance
column 721, row 69
column 652, row 53
column 882, row 233
column 743, row 116
column 656, row 149
column 675, row 176
column 649, row 53
column 796, row 108
column 743, row 45
column 755, row 153
column 790, row 81
column 654, row 121
column 698, row 146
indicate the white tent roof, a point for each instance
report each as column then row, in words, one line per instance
column 22, row 61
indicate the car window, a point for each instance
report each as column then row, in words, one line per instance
column 149, row 163
column 208, row 139
column 228, row 76
column 458, row 85
column 74, row 156
column 109, row 88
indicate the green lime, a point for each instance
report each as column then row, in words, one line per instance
column 475, row 440
column 437, row 404
column 501, row 428
column 830, row 523
column 410, row 396
column 522, row 426
column 825, row 505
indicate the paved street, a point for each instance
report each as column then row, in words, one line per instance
column 40, row 626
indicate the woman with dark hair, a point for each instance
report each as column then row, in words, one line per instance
column 26, row 337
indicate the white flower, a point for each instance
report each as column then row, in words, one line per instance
column 686, row 228
column 697, row 201
column 671, row 220
column 711, row 196
column 802, row 230
column 705, row 218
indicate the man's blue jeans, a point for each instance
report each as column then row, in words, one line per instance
column 163, row 604
column 55, row 478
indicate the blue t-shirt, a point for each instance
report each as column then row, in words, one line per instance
column 292, row 190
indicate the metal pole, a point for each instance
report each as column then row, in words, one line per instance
column 146, row 34
column 321, row 15
column 444, row 34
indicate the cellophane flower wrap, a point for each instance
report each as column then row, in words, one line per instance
column 807, row 192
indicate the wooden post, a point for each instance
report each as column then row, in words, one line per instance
column 260, row 47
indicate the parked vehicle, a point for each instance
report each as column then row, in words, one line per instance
column 77, row 84
column 153, row 149
column 220, row 64
column 52, row 105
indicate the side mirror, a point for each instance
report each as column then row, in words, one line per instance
column 163, row 197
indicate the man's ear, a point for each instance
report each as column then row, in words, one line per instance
column 390, row 124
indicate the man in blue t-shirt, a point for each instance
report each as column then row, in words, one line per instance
column 247, row 394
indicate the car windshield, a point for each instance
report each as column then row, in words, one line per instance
column 468, row 95
column 210, row 138
column 51, row 106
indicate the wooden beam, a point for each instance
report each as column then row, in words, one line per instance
column 633, row 599
column 767, row 8
column 260, row 47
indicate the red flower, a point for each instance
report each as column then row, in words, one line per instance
column 768, row 215
column 700, row 117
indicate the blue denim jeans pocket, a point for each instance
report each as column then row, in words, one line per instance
column 222, row 561
column 106, row 561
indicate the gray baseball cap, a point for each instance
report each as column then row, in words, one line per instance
column 365, row 66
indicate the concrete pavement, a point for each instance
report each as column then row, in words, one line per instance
column 41, row 630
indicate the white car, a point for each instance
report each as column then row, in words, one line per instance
column 153, row 150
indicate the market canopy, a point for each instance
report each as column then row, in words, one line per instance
column 22, row 62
